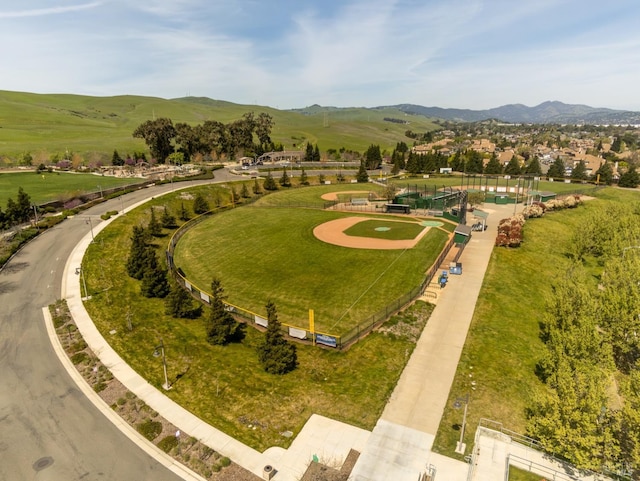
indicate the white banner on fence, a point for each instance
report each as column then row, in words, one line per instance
column 187, row 285
column 204, row 297
column 297, row 333
column 261, row 321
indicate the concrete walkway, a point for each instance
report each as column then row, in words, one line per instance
column 411, row 418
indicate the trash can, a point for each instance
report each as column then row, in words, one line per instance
column 268, row 472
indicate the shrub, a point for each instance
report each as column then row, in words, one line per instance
column 149, row 429
column 79, row 357
column 168, row 443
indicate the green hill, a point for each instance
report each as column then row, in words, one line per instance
column 46, row 124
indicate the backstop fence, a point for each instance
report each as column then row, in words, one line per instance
column 302, row 334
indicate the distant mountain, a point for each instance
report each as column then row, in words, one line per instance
column 545, row 113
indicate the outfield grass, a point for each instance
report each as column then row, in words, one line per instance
column 497, row 366
column 263, row 254
column 392, row 230
column 47, row 186
column 225, row 386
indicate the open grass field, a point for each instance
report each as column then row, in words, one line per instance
column 265, row 253
column 226, row 386
column 95, row 126
column 497, row 366
column 47, row 187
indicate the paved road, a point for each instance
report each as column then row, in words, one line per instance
column 50, row 431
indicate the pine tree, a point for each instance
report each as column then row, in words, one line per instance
column 284, row 180
column 180, row 304
column 493, row 167
column 200, row 204
column 154, row 228
column 154, row 279
column 316, row 153
column 222, row 327
column 304, row 180
column 256, row 187
column 533, row 167
column 308, row 156
column 513, row 167
column 556, row 170
column 23, row 205
column 244, row 192
column 604, row 174
column 269, row 182
column 184, row 213
column 630, row 178
column 136, row 260
column 276, row 355
column 579, row 172
column 167, row 220
column 362, row 176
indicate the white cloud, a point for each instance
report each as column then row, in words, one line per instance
column 40, row 12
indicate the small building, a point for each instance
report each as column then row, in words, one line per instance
column 461, row 234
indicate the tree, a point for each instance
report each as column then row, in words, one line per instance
column 264, row 124
column 362, row 176
column 303, row 178
column 604, row 174
column 284, row 180
column 630, row 178
column 154, row 279
column 276, row 355
column 244, row 192
column 180, row 305
column 513, row 167
column 154, row 228
column 556, row 170
column 493, row 167
column 533, row 167
column 167, row 220
column 308, row 155
column 200, row 204
column 474, row 164
column 256, row 187
column 158, row 135
column 373, row 157
column 579, row 172
column 222, row 328
column 116, row 159
column 183, row 214
column 269, row 182
column 137, row 253
column 316, row 153
column 616, row 146
column 475, row 198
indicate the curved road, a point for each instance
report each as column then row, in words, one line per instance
column 50, row 431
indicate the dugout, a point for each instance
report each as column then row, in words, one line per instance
column 461, row 234
column 397, row 209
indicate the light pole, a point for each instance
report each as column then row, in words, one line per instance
column 157, row 352
column 88, row 221
column 461, row 446
column 80, row 271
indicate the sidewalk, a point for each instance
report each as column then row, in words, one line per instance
column 400, row 446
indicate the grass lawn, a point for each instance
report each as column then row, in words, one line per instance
column 381, row 229
column 47, row 187
column 517, row 474
column 497, row 366
column 225, row 386
column 264, row 253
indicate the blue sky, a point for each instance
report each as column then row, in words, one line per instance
column 293, row 53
